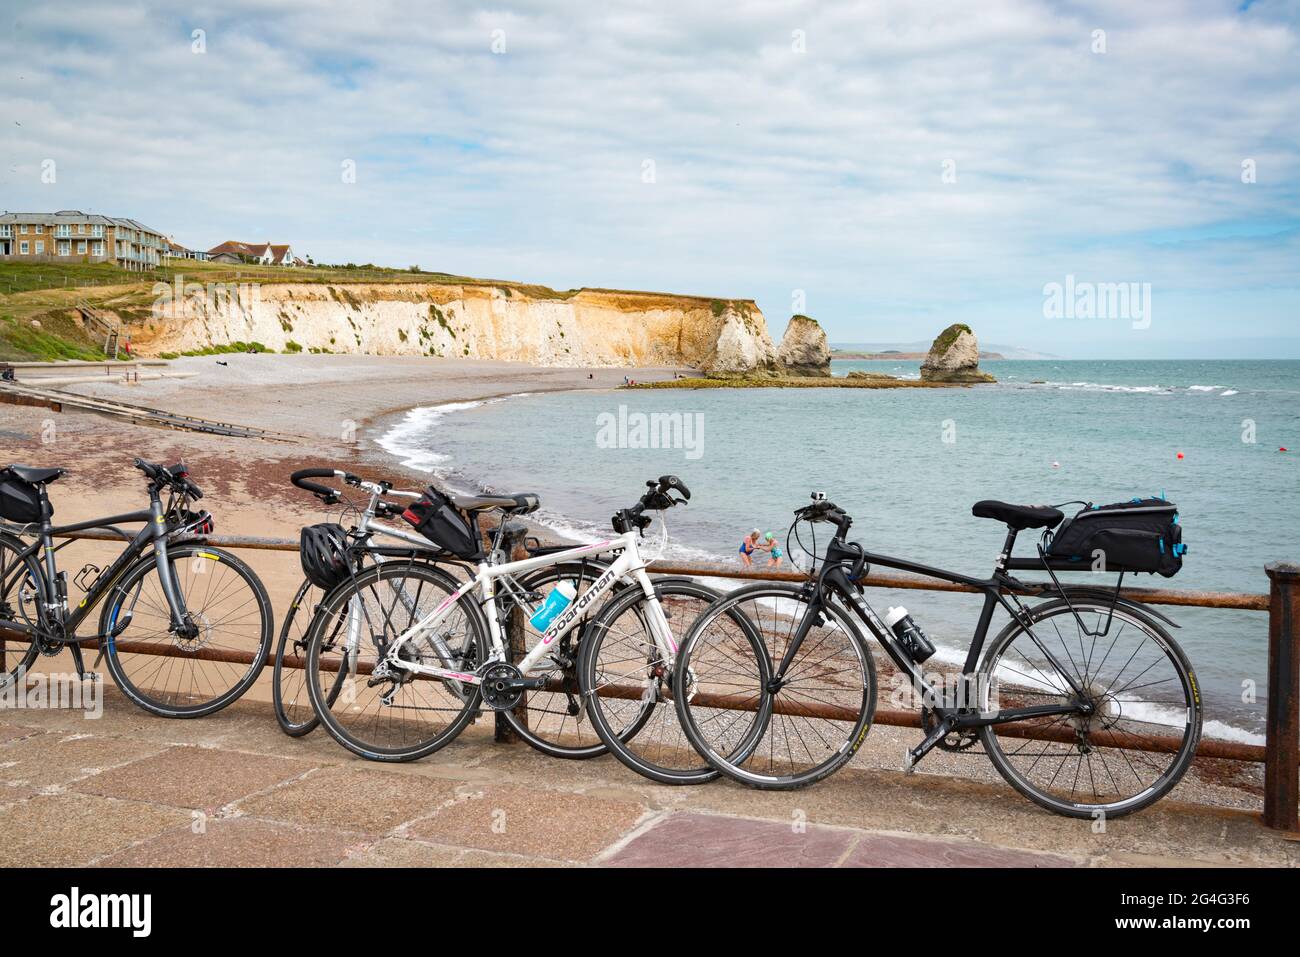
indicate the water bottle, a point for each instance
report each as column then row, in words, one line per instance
column 909, row 634
column 556, row 602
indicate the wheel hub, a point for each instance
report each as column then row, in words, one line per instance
column 1100, row 712
column 196, row 633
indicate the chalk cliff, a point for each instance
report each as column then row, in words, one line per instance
column 586, row 327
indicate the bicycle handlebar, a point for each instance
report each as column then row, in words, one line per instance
column 176, row 477
column 657, row 498
column 331, row 496
column 326, row 494
column 823, row 511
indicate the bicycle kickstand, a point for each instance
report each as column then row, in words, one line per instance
column 79, row 663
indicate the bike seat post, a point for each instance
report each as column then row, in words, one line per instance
column 1006, row 549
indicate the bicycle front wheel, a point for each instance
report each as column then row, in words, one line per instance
column 293, row 708
column 758, row 732
column 1143, row 718
column 178, row 675
column 379, row 711
column 628, row 681
column 20, row 604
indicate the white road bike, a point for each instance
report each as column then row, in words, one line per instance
column 403, row 655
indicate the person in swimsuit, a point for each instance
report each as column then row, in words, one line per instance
column 747, row 546
column 770, row 545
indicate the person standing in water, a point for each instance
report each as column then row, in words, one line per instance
column 747, row 546
column 770, row 545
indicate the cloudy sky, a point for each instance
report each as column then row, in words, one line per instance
column 897, row 165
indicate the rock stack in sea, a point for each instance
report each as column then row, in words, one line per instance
column 745, row 351
column 954, row 357
column 804, row 350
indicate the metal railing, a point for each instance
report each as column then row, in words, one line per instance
column 1280, row 753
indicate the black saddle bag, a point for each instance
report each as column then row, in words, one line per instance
column 19, row 501
column 1141, row 535
column 435, row 517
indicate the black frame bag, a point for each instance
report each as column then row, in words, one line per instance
column 19, row 501
column 435, row 517
column 1141, row 535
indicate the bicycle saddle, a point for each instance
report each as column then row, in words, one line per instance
column 520, row 504
column 1019, row 516
column 35, row 476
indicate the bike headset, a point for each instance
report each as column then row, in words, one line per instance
column 656, row 499
column 175, row 479
column 823, row 511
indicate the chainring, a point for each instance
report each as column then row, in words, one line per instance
column 493, row 677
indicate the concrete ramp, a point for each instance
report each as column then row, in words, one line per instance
column 17, row 393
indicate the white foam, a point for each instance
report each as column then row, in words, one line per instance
column 1102, row 387
column 408, row 440
column 1227, row 392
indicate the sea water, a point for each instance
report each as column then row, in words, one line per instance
column 908, row 464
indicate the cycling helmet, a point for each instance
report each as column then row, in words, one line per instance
column 323, row 552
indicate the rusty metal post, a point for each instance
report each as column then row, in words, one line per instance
column 516, row 645
column 515, row 648
column 1282, row 742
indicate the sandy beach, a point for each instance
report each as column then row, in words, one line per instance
column 341, row 406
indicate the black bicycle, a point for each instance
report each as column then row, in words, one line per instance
column 184, row 627
column 1084, row 702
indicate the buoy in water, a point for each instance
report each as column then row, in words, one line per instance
column 1180, row 455
column 1282, row 448
column 1056, row 465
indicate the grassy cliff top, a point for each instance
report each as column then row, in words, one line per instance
column 48, row 293
column 944, row 340
column 26, row 277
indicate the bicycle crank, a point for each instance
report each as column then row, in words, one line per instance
column 504, row 685
column 955, row 741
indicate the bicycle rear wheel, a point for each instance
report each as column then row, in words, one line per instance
column 552, row 718
column 803, row 730
column 401, row 717
column 179, row 676
column 1145, row 720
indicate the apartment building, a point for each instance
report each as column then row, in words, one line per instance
column 70, row 235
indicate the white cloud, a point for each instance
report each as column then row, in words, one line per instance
column 775, row 170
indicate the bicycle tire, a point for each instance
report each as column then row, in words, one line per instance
column 1187, row 703
column 14, row 574
column 627, row 742
column 735, row 763
column 342, row 721
column 203, row 558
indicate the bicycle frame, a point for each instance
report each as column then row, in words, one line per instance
column 994, row 590
column 627, row 564
column 53, row 605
